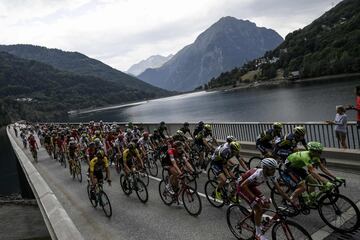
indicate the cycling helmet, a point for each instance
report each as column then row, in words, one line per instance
column 315, row 146
column 128, row 131
column 186, row 124
column 300, row 131
column 155, row 130
column 181, row 133
column 145, row 134
column 201, row 123
column 277, row 125
column 162, row 123
column 92, row 144
column 97, row 141
column 72, row 139
column 97, row 132
column 235, row 145
column 269, row 163
column 207, row 127
column 230, row 139
column 100, row 154
column 132, row 146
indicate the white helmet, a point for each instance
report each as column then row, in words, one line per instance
column 269, row 163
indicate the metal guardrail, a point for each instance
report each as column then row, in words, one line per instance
column 315, row 131
column 248, row 131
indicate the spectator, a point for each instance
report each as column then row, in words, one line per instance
column 357, row 108
column 340, row 125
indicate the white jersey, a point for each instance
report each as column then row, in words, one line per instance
column 258, row 177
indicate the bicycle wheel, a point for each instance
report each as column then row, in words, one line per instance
column 165, row 196
column 144, row 176
column 254, row 162
column 288, row 229
column 210, row 188
column 192, row 201
column 153, row 167
column 141, row 191
column 78, row 171
column 240, row 222
column 339, row 212
column 211, row 174
column 165, row 174
column 118, row 166
column 125, row 185
column 105, row 203
column 93, row 202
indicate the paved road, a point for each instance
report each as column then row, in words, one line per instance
column 133, row 220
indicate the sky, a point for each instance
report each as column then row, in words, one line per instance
column 121, row 33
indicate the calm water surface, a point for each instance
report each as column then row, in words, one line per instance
column 299, row 102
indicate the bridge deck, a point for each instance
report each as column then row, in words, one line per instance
column 153, row 220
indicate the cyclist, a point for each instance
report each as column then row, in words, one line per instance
column 172, row 160
column 220, row 163
column 96, row 167
column 247, row 189
column 136, row 132
column 202, row 145
column 162, row 128
column 72, row 149
column 199, row 127
column 185, row 129
column 129, row 155
column 180, row 136
column 265, row 141
column 301, row 165
column 289, row 144
column 129, row 135
column 155, row 138
column 32, row 143
column 144, row 144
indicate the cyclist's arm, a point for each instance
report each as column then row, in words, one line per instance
column 313, row 173
column 206, row 143
column 173, row 162
column 227, row 172
column 245, row 187
column 139, row 159
column 326, row 170
column 282, row 193
column 242, row 162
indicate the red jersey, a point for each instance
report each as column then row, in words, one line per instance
column 32, row 142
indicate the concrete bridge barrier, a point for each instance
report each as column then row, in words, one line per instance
column 59, row 224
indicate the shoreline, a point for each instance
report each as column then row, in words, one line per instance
column 284, row 82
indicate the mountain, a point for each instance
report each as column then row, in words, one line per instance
column 36, row 91
column 330, row 45
column 155, row 61
column 228, row 43
column 80, row 64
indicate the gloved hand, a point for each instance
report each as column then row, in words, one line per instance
column 327, row 186
column 340, row 179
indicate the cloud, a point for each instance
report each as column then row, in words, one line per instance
column 123, row 32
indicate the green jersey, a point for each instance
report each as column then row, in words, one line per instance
column 302, row 159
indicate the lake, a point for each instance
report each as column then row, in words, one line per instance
column 296, row 102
